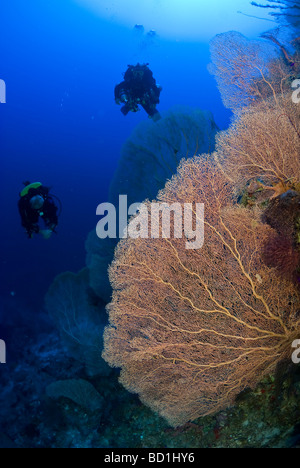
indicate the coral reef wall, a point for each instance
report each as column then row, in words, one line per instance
column 149, row 158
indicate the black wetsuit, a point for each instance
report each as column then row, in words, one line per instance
column 30, row 216
column 138, row 87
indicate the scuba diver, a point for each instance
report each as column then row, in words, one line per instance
column 35, row 202
column 138, row 87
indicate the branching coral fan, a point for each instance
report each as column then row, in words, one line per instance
column 248, row 72
column 192, row 329
column 263, row 144
column 77, row 315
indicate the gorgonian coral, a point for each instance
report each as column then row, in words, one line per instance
column 190, row 329
column 248, row 71
column 263, row 144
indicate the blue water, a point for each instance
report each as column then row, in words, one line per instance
column 61, row 126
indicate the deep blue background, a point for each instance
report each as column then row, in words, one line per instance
column 60, row 125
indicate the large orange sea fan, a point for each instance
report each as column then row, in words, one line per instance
column 190, row 329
